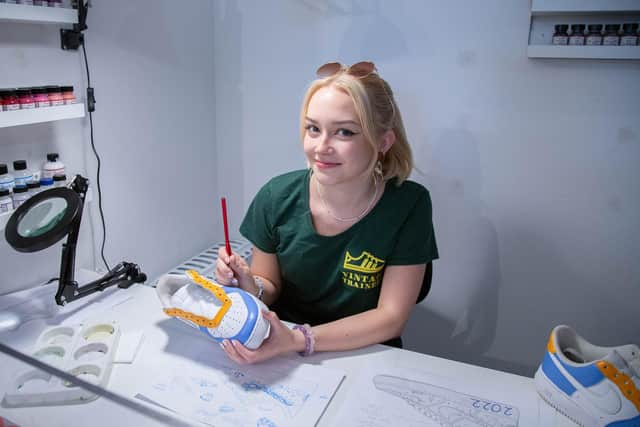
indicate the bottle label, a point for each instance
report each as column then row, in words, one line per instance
column 610, row 40
column 22, row 181
column 628, row 40
column 11, row 107
column 41, row 104
column 57, row 102
column 69, row 101
column 594, row 40
column 27, row 106
column 6, row 185
column 560, row 40
column 576, row 40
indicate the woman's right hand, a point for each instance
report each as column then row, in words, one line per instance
column 233, row 267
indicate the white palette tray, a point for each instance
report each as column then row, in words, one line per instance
column 86, row 351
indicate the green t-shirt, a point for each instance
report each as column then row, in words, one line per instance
column 325, row 278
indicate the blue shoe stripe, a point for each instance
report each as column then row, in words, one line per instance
column 587, row 375
column 252, row 318
column 631, row 422
column 556, row 377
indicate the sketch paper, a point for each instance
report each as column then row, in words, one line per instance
column 225, row 394
column 408, row 398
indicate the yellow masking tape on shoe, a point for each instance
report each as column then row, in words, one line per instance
column 216, row 290
column 624, row 383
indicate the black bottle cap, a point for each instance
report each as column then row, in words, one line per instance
column 52, row 157
column 595, row 28
column 38, row 90
column 577, row 28
column 20, row 189
column 3, row 168
column 33, row 184
column 630, row 27
column 561, row 28
column 66, row 88
column 53, row 89
column 59, row 178
column 23, row 91
column 4, row 192
column 20, row 165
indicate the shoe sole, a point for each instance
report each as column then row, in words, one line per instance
column 562, row 403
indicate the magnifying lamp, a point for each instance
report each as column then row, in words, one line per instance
column 46, row 218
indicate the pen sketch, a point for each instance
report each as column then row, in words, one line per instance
column 446, row 407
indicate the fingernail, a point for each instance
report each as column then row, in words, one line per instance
column 221, row 344
column 234, row 282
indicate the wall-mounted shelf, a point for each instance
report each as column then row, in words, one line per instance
column 41, row 115
column 545, row 14
column 37, row 14
column 584, row 52
column 568, row 7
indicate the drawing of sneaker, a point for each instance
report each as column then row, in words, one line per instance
column 220, row 312
column 592, row 385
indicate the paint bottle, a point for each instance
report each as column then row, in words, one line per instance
column 577, row 35
column 40, row 97
column 59, row 180
column 25, row 98
column 611, row 35
column 560, row 36
column 22, row 175
column 6, row 179
column 52, row 166
column 10, row 101
column 6, row 202
column 55, row 95
column 67, row 95
column 20, row 195
column 594, row 36
column 629, row 34
column 33, row 187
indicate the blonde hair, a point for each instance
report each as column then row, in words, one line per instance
column 377, row 111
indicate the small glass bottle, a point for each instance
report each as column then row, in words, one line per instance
column 560, row 36
column 34, row 188
column 40, row 97
column 10, row 100
column 6, row 202
column 55, row 96
column 629, row 34
column 20, row 195
column 611, row 35
column 52, row 166
column 67, row 95
column 22, row 175
column 594, row 36
column 577, row 35
column 25, row 98
column 59, row 180
column 6, row 179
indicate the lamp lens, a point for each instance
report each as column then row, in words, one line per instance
column 42, row 217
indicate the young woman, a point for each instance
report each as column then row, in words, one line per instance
column 340, row 249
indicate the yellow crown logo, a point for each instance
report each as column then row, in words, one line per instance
column 365, row 263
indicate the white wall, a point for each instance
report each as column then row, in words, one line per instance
column 151, row 65
column 532, row 164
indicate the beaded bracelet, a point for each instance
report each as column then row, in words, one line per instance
column 309, row 339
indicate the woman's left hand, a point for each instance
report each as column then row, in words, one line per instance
column 281, row 340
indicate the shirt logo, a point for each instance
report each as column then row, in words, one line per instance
column 363, row 271
column 365, row 263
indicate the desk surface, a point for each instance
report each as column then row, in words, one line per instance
column 138, row 309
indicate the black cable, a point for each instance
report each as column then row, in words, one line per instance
column 95, row 152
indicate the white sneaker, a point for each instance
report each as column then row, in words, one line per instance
column 592, row 385
column 220, row 312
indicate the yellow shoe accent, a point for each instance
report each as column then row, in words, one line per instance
column 366, row 262
column 216, row 290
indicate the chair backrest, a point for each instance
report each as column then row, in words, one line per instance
column 426, row 283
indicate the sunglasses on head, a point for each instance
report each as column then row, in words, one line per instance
column 359, row 69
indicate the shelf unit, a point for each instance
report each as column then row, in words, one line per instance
column 547, row 13
column 37, row 14
column 41, row 115
column 4, row 218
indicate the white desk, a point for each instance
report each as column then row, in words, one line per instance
column 166, row 339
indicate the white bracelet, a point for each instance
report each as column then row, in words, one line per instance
column 260, row 284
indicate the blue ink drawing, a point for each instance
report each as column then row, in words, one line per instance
column 265, row 422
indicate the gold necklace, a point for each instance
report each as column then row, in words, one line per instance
column 353, row 218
